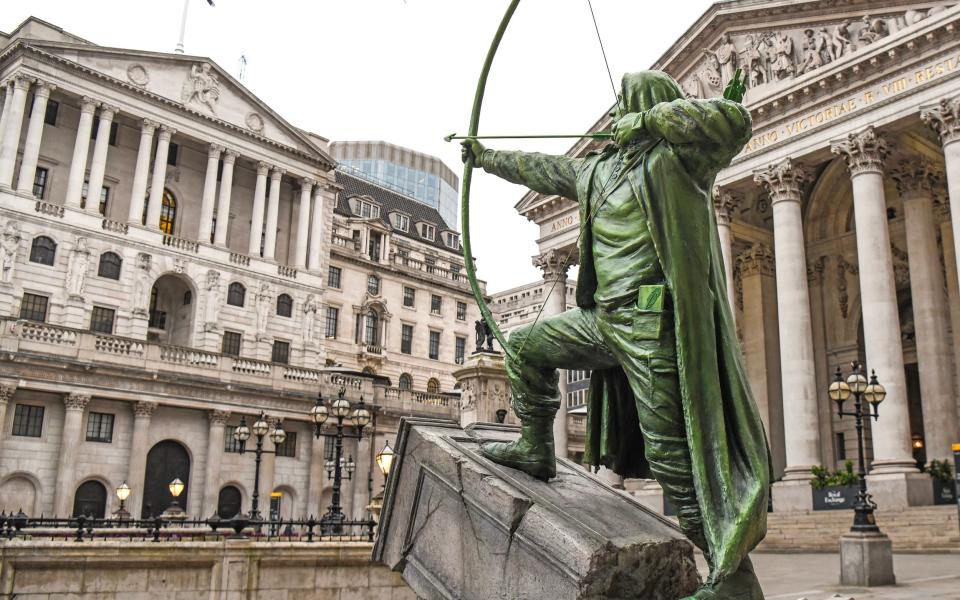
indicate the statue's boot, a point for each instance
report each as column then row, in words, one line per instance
column 742, row 585
column 533, row 453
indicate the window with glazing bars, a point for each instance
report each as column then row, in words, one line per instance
column 436, row 303
column 406, row 338
column 33, row 307
column 434, row 345
column 281, row 352
column 289, row 446
column 230, row 443
column 409, row 296
column 231, row 343
column 28, row 420
column 461, row 311
column 461, row 348
column 40, row 182
column 333, row 277
column 100, row 427
column 331, row 318
column 101, row 319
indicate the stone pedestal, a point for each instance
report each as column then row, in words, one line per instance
column 900, row 490
column 866, row 559
column 792, row 496
column 484, row 389
column 459, row 526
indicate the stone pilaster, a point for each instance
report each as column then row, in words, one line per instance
column 98, row 164
column 725, row 204
column 303, row 224
column 554, row 264
column 316, row 227
column 31, row 147
column 141, row 172
column 209, row 194
column 139, row 446
column 273, row 205
column 259, row 201
column 952, row 279
column 155, row 202
column 215, row 446
column 81, row 147
column 223, row 202
column 70, row 440
column 10, row 136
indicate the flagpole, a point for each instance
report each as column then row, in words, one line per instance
column 183, row 27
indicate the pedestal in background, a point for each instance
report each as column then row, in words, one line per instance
column 866, row 559
column 484, row 389
column 459, row 526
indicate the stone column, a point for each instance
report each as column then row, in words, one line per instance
column 784, row 181
column 316, row 227
column 211, row 479
column 155, row 202
column 315, row 478
column 761, row 343
column 915, row 184
column 270, row 243
column 141, row 172
column 139, row 446
column 724, row 204
column 303, row 224
column 554, row 265
column 98, row 164
column 944, row 118
column 7, row 389
column 256, row 218
column 10, row 136
column 31, row 148
column 81, row 146
column 7, row 99
column 953, row 288
column 70, row 439
column 209, row 194
column 223, row 203
column 864, row 153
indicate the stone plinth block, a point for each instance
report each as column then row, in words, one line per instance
column 866, row 559
column 456, row 525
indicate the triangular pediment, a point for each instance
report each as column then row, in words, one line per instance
column 196, row 83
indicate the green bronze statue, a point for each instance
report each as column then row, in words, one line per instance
column 668, row 397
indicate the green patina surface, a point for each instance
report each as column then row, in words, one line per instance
column 669, row 397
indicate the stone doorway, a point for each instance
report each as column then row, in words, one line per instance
column 90, row 500
column 172, row 309
column 166, row 461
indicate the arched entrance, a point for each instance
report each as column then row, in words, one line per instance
column 90, row 500
column 172, row 310
column 228, row 503
column 166, row 461
column 18, row 492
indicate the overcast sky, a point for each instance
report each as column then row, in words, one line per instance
column 406, row 72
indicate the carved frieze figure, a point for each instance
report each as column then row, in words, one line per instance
column 755, row 61
column 264, row 303
column 9, row 246
column 726, row 59
column 213, row 296
column 142, row 284
column 783, row 63
column 813, row 46
column 309, row 319
column 839, row 40
column 873, row 30
column 77, row 267
column 202, row 86
column 468, row 396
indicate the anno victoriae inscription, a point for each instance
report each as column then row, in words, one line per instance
column 824, row 114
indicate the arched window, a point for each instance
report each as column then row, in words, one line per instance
column 168, row 212
column 284, row 305
column 369, row 371
column 43, row 250
column 406, row 382
column 433, row 386
column 228, row 503
column 236, row 294
column 373, row 285
column 371, row 329
column 110, row 265
column 90, row 500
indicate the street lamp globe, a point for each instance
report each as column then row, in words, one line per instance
column 385, row 459
column 839, row 390
column 278, row 435
column 874, row 393
column 176, row 487
column 361, row 415
column 856, row 381
column 260, row 427
column 123, row 491
column 319, row 412
column 242, row 432
column 341, row 408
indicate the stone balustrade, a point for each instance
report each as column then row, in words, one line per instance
column 49, row 209
column 240, row 259
column 413, row 264
column 109, row 344
column 115, row 226
column 181, row 243
column 285, row 271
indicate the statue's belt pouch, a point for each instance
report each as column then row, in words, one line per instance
column 648, row 318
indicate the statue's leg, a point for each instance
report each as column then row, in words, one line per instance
column 567, row 341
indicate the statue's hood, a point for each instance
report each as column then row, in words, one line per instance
column 643, row 90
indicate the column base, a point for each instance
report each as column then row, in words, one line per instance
column 798, row 473
column 886, row 466
column 792, row 496
column 866, row 560
column 900, row 490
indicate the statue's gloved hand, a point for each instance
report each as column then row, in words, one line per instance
column 628, row 128
column 472, row 149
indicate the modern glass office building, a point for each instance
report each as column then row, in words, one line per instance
column 414, row 174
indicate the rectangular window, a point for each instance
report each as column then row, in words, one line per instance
column 104, row 198
column 331, row 321
column 435, row 345
column 101, row 319
column 33, row 307
column 369, row 210
column 40, row 182
column 50, row 115
column 461, row 311
column 841, row 448
column 452, row 240
column 436, row 303
column 461, row 349
column 401, row 222
column 173, row 154
column 100, row 427
column 231, row 343
column 428, row 232
column 329, row 450
column 281, row 352
column 333, row 277
column 289, row 446
column 114, row 126
column 409, row 296
column 230, row 443
column 28, row 420
column 406, row 339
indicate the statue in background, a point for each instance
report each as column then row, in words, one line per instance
column 9, row 246
column 783, row 64
column 77, row 267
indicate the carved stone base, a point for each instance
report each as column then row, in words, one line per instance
column 74, row 312
column 459, row 526
column 866, row 559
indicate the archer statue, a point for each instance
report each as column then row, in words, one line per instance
column 668, row 394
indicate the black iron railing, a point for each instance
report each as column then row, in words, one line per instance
column 160, row 529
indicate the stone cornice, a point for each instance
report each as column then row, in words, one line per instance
column 864, row 151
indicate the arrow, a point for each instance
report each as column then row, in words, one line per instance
column 603, row 135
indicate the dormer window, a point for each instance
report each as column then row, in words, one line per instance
column 400, row 222
column 451, row 239
column 428, row 232
column 369, row 210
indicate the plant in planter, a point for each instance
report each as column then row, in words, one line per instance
column 944, row 486
column 834, row 490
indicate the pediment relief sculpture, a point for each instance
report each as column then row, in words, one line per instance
column 202, row 87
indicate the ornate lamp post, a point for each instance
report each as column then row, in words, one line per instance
column 174, row 512
column 874, row 393
column 332, row 521
column 259, row 431
column 123, row 492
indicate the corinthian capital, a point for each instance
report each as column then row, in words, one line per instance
column 783, row 181
column 725, row 203
column 944, row 118
column 218, row 417
column 144, row 409
column 553, row 263
column 6, row 392
column 864, row 151
column 915, row 177
column 757, row 260
column 76, row 401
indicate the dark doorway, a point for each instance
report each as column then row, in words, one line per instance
column 166, row 461
column 228, row 504
column 90, row 500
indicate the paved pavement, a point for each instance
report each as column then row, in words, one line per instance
column 816, row 577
